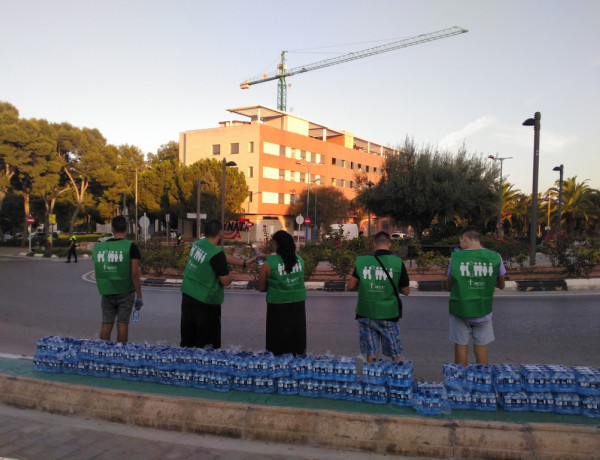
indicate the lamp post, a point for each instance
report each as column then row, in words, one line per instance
column 307, row 196
column 135, row 226
column 370, row 184
column 199, row 195
column 535, row 122
column 225, row 164
column 315, row 229
column 501, row 160
column 560, row 187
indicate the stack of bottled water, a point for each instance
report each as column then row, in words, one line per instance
column 459, row 396
column 507, row 383
column 588, row 388
column 535, row 387
column 400, row 378
column 430, row 398
column 374, row 379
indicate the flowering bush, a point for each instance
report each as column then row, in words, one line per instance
column 510, row 249
column 577, row 256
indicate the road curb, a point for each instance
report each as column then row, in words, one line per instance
column 380, row 433
column 422, row 286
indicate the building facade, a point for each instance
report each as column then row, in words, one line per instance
column 280, row 155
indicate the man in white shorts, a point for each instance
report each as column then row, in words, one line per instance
column 472, row 276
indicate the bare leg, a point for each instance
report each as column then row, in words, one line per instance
column 398, row 358
column 460, row 354
column 105, row 331
column 122, row 329
column 371, row 358
column 481, row 355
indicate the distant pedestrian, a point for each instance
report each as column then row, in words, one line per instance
column 379, row 278
column 473, row 274
column 116, row 263
column 72, row 248
column 282, row 278
column 179, row 239
column 205, row 275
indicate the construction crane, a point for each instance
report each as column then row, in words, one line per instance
column 282, row 71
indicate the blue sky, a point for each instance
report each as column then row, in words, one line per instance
column 143, row 71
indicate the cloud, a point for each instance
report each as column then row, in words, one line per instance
column 455, row 138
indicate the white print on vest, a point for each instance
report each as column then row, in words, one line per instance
column 197, row 254
column 379, row 273
column 476, row 269
column 295, row 269
column 110, row 256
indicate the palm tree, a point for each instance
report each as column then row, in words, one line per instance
column 579, row 205
column 514, row 207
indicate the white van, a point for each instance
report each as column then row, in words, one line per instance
column 350, row 230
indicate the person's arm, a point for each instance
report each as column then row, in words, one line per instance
column 219, row 266
column 265, row 271
column 404, row 282
column 135, row 278
column 447, row 283
column 501, row 282
column 352, row 283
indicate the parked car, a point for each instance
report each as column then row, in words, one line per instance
column 399, row 235
column 105, row 237
column 8, row 236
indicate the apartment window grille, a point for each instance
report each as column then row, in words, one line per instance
column 216, row 149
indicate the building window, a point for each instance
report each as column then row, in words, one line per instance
column 359, row 167
column 333, row 181
column 342, row 183
column 281, row 199
column 374, row 170
column 351, row 184
column 302, row 154
column 302, row 177
column 250, row 197
column 234, row 147
column 281, row 174
column 332, row 161
column 216, row 149
column 250, row 171
column 367, row 168
column 250, row 147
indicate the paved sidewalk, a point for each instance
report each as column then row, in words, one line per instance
column 30, row 434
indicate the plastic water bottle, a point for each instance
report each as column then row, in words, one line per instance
column 590, row 406
column 562, row 379
column 588, row 380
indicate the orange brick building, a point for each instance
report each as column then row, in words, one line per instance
column 280, row 154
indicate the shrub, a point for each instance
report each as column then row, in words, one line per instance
column 577, row 257
column 507, row 247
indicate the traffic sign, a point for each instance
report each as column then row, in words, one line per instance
column 30, row 220
column 300, row 219
column 52, row 219
column 307, row 221
column 144, row 222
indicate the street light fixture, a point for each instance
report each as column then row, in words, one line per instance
column 199, row 195
column 225, row 164
column 501, row 160
column 535, row 122
column 307, row 195
column 316, row 188
column 560, row 188
column 370, row 184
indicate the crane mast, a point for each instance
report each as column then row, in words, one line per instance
column 282, row 71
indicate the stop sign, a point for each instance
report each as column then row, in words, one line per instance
column 30, row 220
column 307, row 221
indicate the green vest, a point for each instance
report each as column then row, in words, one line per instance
column 113, row 267
column 472, row 282
column 285, row 287
column 199, row 279
column 376, row 296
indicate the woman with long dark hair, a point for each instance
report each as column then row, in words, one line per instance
column 282, row 278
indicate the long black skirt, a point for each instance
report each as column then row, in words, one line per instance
column 286, row 328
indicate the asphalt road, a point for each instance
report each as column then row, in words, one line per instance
column 40, row 297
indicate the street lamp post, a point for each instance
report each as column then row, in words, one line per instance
column 560, row 188
column 370, row 184
column 307, row 196
column 135, row 226
column 535, row 122
column 501, row 160
column 225, row 164
column 316, row 188
column 199, row 195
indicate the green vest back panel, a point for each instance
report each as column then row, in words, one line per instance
column 199, row 279
column 113, row 267
column 472, row 281
column 285, row 287
column 376, row 296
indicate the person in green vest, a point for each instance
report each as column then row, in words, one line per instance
column 282, row 278
column 72, row 249
column 204, row 278
column 379, row 278
column 473, row 274
column 116, row 264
